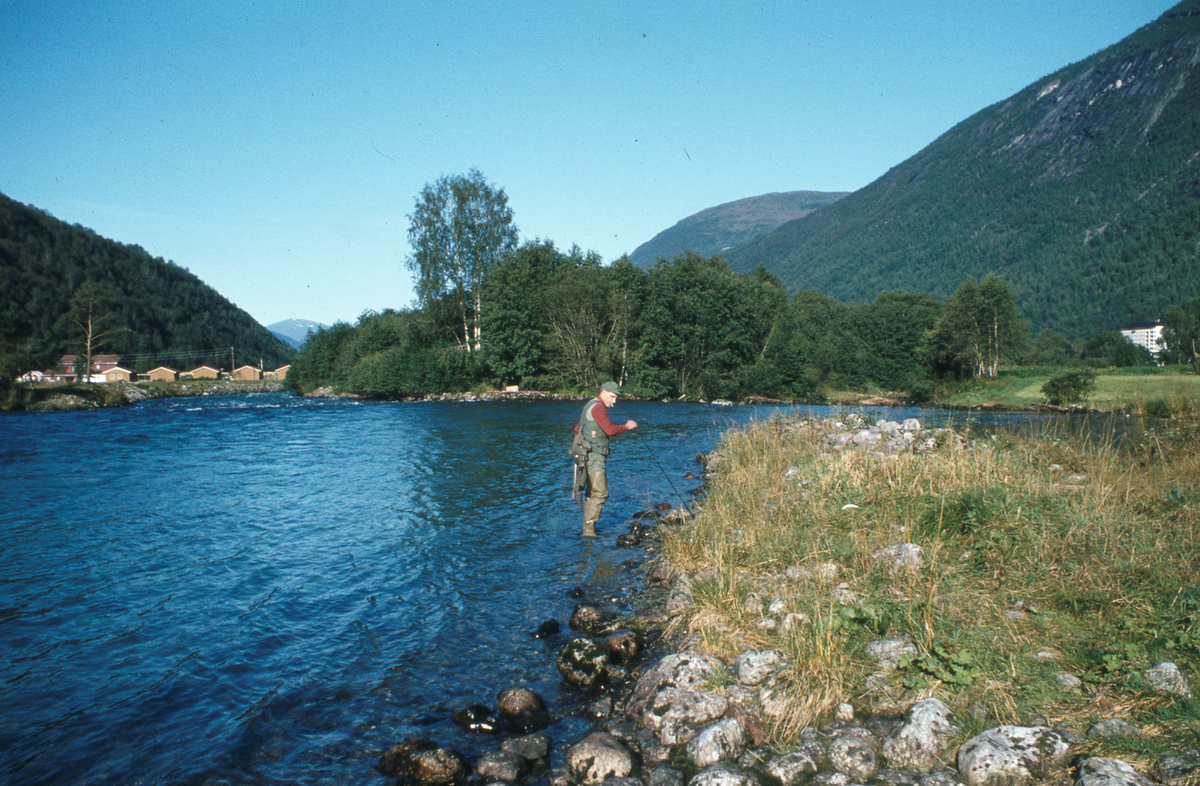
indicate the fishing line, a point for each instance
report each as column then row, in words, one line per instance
column 654, row 458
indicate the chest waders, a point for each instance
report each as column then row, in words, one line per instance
column 595, row 460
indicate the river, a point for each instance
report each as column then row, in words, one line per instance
column 271, row 589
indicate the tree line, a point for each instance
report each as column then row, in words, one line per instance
column 492, row 312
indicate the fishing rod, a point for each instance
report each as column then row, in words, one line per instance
column 654, row 458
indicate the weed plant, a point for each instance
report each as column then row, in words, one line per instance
column 1043, row 555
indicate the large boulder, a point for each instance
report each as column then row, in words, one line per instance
column 1109, row 772
column 675, row 713
column 754, row 667
column 598, row 757
column 1167, row 678
column 855, row 753
column 1013, row 756
column 793, row 769
column 724, row 775
column 725, row 740
column 917, row 745
column 502, row 766
column 531, row 747
column 437, row 767
column 687, row 669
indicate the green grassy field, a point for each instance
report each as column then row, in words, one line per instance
column 1160, row 394
column 1043, row 556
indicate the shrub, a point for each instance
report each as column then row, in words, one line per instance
column 1071, row 386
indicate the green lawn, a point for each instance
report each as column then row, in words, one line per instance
column 1161, row 393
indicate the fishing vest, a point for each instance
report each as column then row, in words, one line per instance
column 593, row 436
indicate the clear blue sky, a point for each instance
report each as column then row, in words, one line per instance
column 275, row 149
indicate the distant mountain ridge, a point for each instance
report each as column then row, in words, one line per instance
column 293, row 332
column 717, row 229
column 1082, row 190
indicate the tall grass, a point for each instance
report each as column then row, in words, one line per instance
column 1043, row 554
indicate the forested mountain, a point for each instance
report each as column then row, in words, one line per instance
column 1082, row 191
column 717, row 229
column 169, row 316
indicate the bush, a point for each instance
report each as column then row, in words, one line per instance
column 1069, row 387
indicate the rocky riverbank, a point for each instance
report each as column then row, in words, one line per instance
column 119, row 394
column 669, row 713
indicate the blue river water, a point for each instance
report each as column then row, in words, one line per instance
column 271, row 589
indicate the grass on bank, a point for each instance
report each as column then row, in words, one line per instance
column 1153, row 392
column 1042, row 556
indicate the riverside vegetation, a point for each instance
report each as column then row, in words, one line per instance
column 1031, row 580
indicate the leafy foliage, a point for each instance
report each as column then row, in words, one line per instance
column 1070, row 386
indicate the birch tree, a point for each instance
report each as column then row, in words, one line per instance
column 460, row 228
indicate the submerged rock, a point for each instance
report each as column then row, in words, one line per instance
column 477, row 717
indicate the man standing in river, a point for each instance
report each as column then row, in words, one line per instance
column 594, row 429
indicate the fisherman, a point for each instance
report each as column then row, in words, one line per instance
column 593, row 430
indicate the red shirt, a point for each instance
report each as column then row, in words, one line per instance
column 600, row 415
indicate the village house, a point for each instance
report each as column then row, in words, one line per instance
column 162, row 374
column 279, row 373
column 117, row 374
column 202, row 372
column 247, row 373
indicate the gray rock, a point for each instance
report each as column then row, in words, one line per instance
column 1179, row 770
column 855, row 753
column 917, row 745
column 725, row 740
column 687, row 669
column 941, row 778
column 514, row 701
column 754, row 667
column 724, row 775
column 502, row 766
column 891, row 777
column 792, row 769
column 1012, row 756
column 664, row 776
column 1109, row 772
column 437, row 767
column 1113, row 727
column 674, row 713
column 887, row 652
column 901, row 557
column 1068, row 680
column 911, row 424
column 831, row 779
column 532, row 747
column 753, row 603
column 1167, row 678
column 597, row 757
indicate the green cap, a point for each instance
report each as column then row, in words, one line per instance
column 611, row 387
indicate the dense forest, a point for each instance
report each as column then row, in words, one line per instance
column 1082, row 191
column 493, row 312
column 160, row 313
column 688, row 327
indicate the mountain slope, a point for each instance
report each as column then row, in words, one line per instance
column 173, row 317
column 1082, row 190
column 718, row 229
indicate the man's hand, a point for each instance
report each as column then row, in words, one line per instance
column 631, row 424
